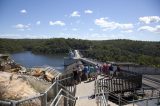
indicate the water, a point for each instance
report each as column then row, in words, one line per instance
column 28, row 59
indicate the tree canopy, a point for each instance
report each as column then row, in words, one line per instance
column 141, row 52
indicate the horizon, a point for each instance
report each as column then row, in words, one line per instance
column 75, row 39
column 137, row 20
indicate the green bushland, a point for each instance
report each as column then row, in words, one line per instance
column 141, row 52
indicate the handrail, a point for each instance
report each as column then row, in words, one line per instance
column 58, row 100
column 59, row 94
column 69, row 98
column 5, row 102
column 22, row 100
column 116, row 97
column 50, row 87
column 56, row 97
column 68, row 94
column 44, row 94
column 65, row 90
column 64, row 78
column 144, row 99
column 61, row 97
column 109, row 93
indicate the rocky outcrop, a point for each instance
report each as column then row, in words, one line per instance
column 14, row 87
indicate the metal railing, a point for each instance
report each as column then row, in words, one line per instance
column 104, row 94
column 104, row 99
column 146, row 101
column 50, row 95
column 64, row 93
column 101, row 97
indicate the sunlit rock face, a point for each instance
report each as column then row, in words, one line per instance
column 15, row 87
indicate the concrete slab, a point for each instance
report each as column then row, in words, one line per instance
column 84, row 90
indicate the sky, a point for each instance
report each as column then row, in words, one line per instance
column 80, row 19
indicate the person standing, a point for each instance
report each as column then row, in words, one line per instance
column 75, row 75
column 111, row 70
column 85, row 71
column 97, row 69
column 79, row 73
column 118, row 70
column 105, row 69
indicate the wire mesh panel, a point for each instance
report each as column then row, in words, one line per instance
column 51, row 93
column 34, row 101
column 63, row 83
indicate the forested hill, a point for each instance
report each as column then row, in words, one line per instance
column 141, row 52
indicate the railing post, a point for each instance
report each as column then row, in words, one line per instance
column 56, row 86
column 13, row 103
column 107, row 94
column 119, row 100
column 152, row 92
column 158, row 102
column 44, row 100
column 133, row 101
column 147, row 102
column 68, row 101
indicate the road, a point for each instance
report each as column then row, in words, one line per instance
column 152, row 81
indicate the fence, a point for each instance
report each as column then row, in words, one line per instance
column 125, row 81
column 103, row 97
column 55, row 92
column 104, row 92
column 153, row 101
column 142, row 69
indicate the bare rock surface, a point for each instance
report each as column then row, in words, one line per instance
column 14, row 87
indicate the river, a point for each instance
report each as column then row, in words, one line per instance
column 28, row 59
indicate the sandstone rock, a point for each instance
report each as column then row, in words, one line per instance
column 13, row 87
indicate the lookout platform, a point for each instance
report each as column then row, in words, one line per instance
column 99, row 92
column 84, row 90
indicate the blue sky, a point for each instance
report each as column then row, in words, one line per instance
column 82, row 19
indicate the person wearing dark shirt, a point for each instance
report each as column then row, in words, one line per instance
column 111, row 70
column 75, row 75
column 85, row 71
column 118, row 70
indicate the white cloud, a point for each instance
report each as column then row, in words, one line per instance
column 149, row 19
column 155, row 29
column 23, row 36
column 88, row 11
column 38, row 22
column 23, row 11
column 58, row 23
column 22, row 27
column 75, row 14
column 74, row 29
column 105, row 24
column 90, row 29
column 127, row 31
